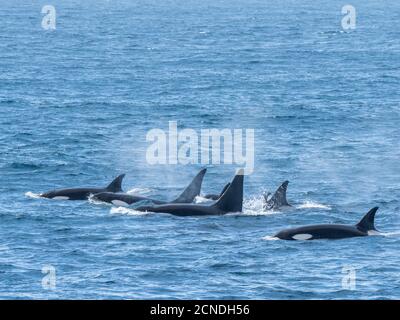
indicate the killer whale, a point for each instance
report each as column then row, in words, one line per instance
column 278, row 199
column 213, row 196
column 230, row 201
column 332, row 231
column 126, row 199
column 83, row 193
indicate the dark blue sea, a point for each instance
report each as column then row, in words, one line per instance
column 77, row 102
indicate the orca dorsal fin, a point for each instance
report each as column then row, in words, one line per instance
column 278, row 199
column 367, row 222
column 192, row 190
column 115, row 185
column 232, row 198
column 224, row 189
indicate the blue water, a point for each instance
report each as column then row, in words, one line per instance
column 76, row 104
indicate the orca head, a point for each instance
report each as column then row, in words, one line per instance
column 50, row 195
column 284, row 235
column 47, row 195
column 102, row 196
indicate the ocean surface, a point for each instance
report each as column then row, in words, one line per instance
column 77, row 102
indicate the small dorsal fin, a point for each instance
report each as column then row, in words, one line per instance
column 367, row 222
column 115, row 185
column 232, row 199
column 192, row 190
column 278, row 199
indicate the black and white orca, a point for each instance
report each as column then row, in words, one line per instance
column 364, row 228
column 83, row 193
column 127, row 199
column 230, row 201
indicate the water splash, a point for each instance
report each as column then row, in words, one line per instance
column 97, row 202
column 127, row 211
column 32, row 195
column 254, row 207
column 270, row 238
column 200, row 199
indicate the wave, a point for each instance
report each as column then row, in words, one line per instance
column 313, row 205
column 390, row 234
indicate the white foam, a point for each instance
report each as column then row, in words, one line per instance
column 390, row 234
column 254, row 207
column 126, row 211
column 95, row 201
column 200, row 199
column 270, row 238
column 313, row 205
column 32, row 195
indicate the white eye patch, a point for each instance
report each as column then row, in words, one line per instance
column 302, row 236
column 119, row 203
column 60, row 198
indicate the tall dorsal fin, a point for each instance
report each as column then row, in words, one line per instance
column 232, row 199
column 367, row 222
column 115, row 185
column 192, row 190
column 224, row 189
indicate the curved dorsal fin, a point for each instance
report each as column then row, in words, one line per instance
column 278, row 199
column 115, row 185
column 192, row 190
column 367, row 222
